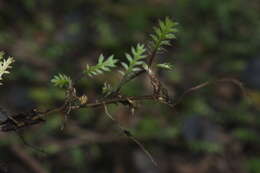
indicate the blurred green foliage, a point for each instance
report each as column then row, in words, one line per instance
column 216, row 38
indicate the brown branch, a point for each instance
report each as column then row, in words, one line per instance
column 204, row 84
column 152, row 57
column 236, row 83
column 189, row 91
column 130, row 136
column 21, row 120
column 160, row 94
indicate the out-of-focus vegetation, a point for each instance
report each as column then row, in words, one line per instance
column 213, row 129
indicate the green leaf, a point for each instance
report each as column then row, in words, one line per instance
column 101, row 67
column 61, row 81
column 5, row 65
column 107, row 89
column 166, row 66
column 124, row 65
column 134, row 60
column 164, row 33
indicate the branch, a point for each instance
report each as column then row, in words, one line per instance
column 21, row 120
column 204, row 84
column 35, row 116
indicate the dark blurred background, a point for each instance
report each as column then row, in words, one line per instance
column 213, row 130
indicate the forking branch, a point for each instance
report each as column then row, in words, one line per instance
column 136, row 64
column 139, row 61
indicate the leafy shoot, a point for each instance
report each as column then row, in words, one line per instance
column 5, row 65
column 165, row 66
column 164, row 33
column 135, row 60
column 61, row 81
column 101, row 67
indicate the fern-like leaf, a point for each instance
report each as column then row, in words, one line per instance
column 166, row 66
column 164, row 33
column 107, row 89
column 102, row 66
column 134, row 61
column 61, row 81
column 5, row 65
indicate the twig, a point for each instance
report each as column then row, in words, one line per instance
column 204, row 84
column 152, row 57
column 142, row 147
column 25, row 120
column 130, row 136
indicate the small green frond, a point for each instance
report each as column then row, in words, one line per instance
column 134, row 60
column 166, row 66
column 61, row 81
column 107, row 89
column 102, row 66
column 5, row 65
column 163, row 34
column 124, row 65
